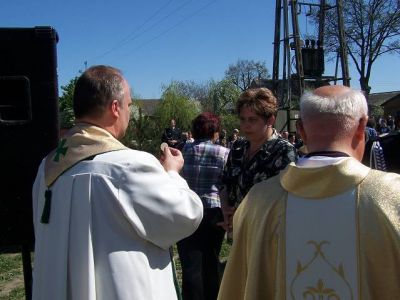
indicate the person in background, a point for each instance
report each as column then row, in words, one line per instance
column 390, row 123
column 190, row 137
column 370, row 132
column 183, row 140
column 172, row 135
column 222, row 140
column 381, row 119
column 102, row 230
column 292, row 139
column 263, row 154
column 384, row 128
column 288, row 243
column 233, row 138
column 285, row 135
column 199, row 253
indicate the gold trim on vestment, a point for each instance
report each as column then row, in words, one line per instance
column 329, row 180
column 80, row 142
column 358, row 242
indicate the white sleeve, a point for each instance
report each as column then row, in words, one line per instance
column 159, row 204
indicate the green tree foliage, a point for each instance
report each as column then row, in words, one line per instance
column 244, row 71
column 65, row 100
column 229, row 122
column 375, row 112
column 140, row 134
column 65, row 104
column 222, row 97
column 175, row 105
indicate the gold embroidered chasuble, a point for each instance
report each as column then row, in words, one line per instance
column 80, row 142
column 266, row 263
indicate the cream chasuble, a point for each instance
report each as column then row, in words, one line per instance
column 324, row 232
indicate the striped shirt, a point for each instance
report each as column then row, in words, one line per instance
column 204, row 163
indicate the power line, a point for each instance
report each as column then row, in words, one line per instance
column 169, row 29
column 135, row 34
column 146, row 21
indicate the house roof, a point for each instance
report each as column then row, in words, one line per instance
column 148, row 105
column 378, row 99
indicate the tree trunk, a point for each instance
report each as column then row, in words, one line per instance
column 364, row 85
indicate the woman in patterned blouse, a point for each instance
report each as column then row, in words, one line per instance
column 261, row 155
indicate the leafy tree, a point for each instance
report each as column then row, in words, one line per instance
column 140, row 132
column 244, row 71
column 372, row 29
column 175, row 105
column 65, row 104
column 222, row 97
column 375, row 112
column 67, row 118
column 229, row 122
column 65, row 100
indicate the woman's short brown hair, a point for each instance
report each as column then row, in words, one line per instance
column 261, row 100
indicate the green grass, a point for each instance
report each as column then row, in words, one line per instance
column 12, row 281
column 226, row 247
column 11, row 277
column 16, row 294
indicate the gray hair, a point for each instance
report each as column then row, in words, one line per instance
column 351, row 103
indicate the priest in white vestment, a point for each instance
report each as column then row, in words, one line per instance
column 327, row 227
column 105, row 216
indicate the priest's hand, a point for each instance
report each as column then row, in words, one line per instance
column 171, row 159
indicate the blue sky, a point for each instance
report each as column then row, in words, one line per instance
column 156, row 41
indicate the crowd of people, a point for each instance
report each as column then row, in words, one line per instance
column 308, row 219
column 382, row 126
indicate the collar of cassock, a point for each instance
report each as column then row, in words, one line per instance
column 325, row 181
column 79, row 143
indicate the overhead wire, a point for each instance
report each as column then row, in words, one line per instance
column 135, row 34
column 146, row 21
column 169, row 29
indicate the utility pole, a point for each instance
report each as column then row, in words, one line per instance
column 342, row 44
column 308, row 55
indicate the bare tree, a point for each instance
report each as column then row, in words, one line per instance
column 190, row 89
column 243, row 72
column 372, row 29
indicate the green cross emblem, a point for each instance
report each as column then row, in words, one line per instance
column 60, row 150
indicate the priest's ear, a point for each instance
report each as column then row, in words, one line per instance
column 300, row 130
column 358, row 141
column 360, row 132
column 115, row 107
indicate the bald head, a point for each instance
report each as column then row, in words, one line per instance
column 331, row 90
column 337, row 100
column 331, row 117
